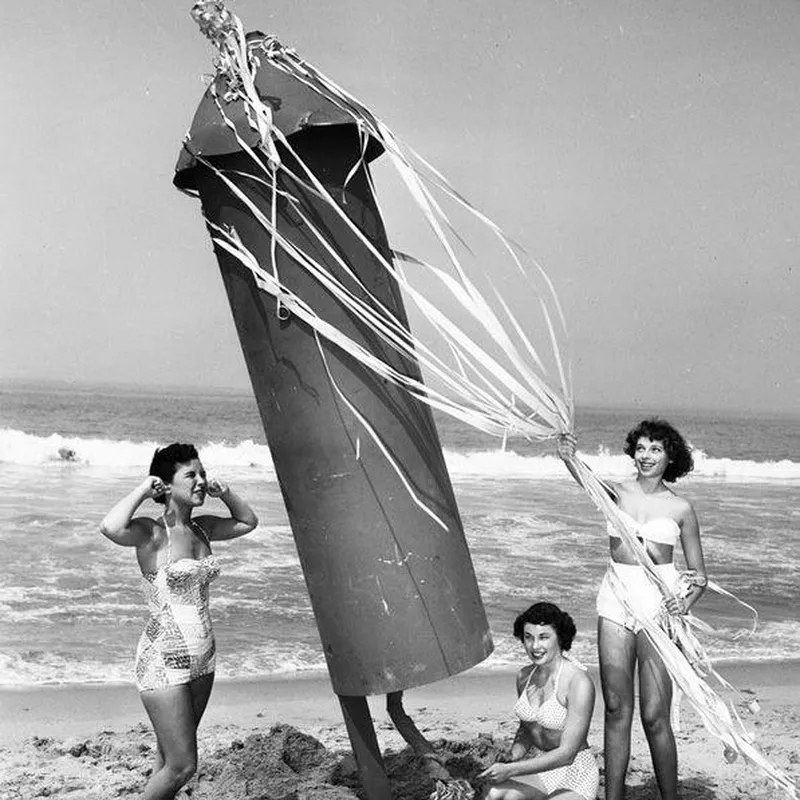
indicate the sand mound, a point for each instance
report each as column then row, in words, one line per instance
column 286, row 764
column 283, row 764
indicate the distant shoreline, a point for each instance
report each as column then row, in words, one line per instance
column 775, row 667
column 101, row 387
column 244, row 391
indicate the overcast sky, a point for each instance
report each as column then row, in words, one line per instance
column 647, row 153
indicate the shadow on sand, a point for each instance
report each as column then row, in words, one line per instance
column 696, row 788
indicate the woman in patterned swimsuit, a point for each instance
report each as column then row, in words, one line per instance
column 663, row 520
column 550, row 755
column 176, row 654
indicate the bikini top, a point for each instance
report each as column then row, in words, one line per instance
column 663, row 530
column 550, row 713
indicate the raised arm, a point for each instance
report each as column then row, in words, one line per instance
column 567, row 448
column 241, row 521
column 119, row 525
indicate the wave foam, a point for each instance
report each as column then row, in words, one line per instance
column 774, row 641
column 17, row 447
column 508, row 464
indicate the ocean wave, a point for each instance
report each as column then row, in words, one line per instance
column 41, row 668
column 18, row 447
column 775, row 641
column 508, row 464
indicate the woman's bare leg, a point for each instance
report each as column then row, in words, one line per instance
column 515, row 790
column 655, row 700
column 406, row 727
column 159, row 760
column 201, row 690
column 199, row 693
column 172, row 715
column 617, row 650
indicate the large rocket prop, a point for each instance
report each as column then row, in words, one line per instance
column 392, row 586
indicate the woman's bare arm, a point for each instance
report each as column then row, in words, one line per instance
column 120, row 527
column 241, row 521
column 522, row 740
column 693, row 554
column 567, row 448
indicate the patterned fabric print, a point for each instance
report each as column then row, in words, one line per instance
column 581, row 776
column 177, row 644
column 548, row 713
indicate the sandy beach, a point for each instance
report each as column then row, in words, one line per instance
column 285, row 738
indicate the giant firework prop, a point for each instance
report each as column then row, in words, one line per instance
column 279, row 155
column 358, row 457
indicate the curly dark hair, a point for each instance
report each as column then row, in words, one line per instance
column 166, row 461
column 658, row 430
column 547, row 614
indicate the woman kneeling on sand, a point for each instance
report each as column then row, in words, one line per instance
column 176, row 655
column 550, row 755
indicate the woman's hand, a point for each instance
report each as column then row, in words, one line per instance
column 567, row 445
column 691, row 584
column 675, row 606
column 241, row 521
column 152, row 488
column 498, row 772
column 216, row 488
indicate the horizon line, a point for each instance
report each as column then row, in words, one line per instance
column 245, row 390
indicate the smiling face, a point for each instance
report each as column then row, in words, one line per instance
column 650, row 457
column 540, row 643
column 188, row 485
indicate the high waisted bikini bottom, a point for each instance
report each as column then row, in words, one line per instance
column 639, row 591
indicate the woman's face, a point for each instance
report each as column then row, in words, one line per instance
column 541, row 643
column 650, row 457
column 188, row 484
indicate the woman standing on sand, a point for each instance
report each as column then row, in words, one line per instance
column 661, row 519
column 550, row 756
column 176, row 655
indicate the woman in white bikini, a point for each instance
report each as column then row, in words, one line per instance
column 662, row 519
column 176, row 655
column 550, row 756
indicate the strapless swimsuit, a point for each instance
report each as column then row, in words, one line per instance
column 177, row 644
column 582, row 775
column 638, row 587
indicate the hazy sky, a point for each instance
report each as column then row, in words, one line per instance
column 647, row 153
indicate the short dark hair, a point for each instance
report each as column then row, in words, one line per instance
column 680, row 457
column 167, row 459
column 547, row 614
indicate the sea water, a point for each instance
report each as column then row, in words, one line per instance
column 71, row 606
